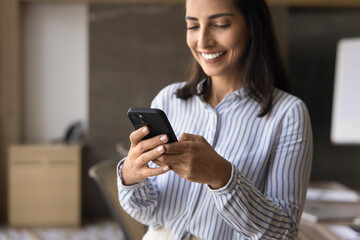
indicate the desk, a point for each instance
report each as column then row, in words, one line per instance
column 331, row 211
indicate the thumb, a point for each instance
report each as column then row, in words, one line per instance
column 187, row 137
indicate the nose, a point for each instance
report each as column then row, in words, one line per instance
column 206, row 39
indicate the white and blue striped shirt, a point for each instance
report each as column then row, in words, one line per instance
column 271, row 160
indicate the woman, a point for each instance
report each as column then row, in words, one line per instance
column 242, row 164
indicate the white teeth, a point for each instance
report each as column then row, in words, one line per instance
column 212, row 55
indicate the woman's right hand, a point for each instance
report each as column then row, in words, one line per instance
column 135, row 168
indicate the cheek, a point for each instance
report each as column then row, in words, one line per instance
column 190, row 40
column 191, row 43
column 238, row 44
column 242, row 40
column 232, row 40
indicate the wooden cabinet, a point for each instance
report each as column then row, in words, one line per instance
column 44, row 184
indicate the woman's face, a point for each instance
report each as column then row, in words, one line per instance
column 217, row 35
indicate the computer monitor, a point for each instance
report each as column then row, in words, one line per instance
column 345, row 124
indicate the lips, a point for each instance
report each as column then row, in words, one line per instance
column 212, row 56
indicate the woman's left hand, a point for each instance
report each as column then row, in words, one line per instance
column 195, row 160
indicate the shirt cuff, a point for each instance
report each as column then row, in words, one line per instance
column 230, row 184
column 121, row 181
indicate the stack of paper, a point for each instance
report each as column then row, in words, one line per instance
column 330, row 201
column 345, row 232
column 332, row 195
column 321, row 211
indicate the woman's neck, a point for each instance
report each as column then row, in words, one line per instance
column 220, row 87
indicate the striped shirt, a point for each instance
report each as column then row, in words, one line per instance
column 271, row 160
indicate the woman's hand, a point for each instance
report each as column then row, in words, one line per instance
column 135, row 168
column 195, row 160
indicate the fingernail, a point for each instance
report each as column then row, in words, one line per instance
column 145, row 130
column 166, row 168
column 160, row 149
column 163, row 138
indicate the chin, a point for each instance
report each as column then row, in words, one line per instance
column 212, row 73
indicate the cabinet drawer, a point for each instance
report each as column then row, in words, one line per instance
column 44, row 185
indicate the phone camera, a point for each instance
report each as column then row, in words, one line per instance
column 138, row 119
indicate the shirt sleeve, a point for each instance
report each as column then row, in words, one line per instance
column 138, row 200
column 275, row 212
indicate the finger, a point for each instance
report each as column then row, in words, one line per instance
column 149, row 144
column 151, row 172
column 170, row 160
column 178, row 147
column 151, row 155
column 159, row 163
column 189, row 137
column 137, row 135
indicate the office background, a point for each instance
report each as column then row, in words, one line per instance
column 135, row 50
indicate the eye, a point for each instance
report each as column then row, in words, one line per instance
column 222, row 25
column 192, row 27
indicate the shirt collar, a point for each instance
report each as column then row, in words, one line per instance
column 240, row 93
column 201, row 85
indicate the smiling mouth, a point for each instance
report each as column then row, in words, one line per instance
column 211, row 56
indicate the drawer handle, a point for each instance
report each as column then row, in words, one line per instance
column 61, row 162
column 26, row 162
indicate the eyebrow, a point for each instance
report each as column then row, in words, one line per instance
column 210, row 17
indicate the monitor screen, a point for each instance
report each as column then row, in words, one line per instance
column 345, row 124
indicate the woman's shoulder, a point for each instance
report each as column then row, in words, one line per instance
column 164, row 97
column 287, row 102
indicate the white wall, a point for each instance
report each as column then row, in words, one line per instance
column 55, row 72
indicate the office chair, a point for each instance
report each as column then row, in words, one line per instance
column 104, row 174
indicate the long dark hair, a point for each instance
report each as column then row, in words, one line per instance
column 261, row 65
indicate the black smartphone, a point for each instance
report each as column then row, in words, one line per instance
column 155, row 119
